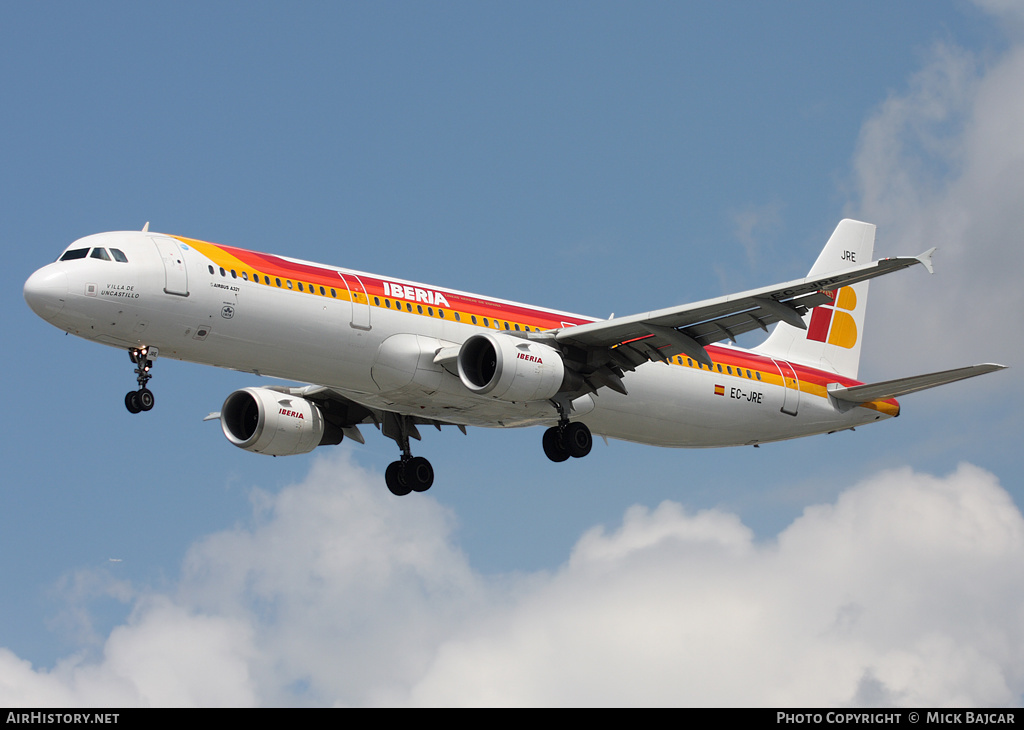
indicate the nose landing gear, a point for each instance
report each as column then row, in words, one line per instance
column 141, row 399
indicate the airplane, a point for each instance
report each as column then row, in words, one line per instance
column 400, row 355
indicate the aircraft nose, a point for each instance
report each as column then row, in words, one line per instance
column 46, row 291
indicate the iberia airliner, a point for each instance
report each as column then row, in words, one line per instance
column 401, row 355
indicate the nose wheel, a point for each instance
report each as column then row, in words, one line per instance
column 142, row 399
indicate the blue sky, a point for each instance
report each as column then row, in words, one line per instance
column 591, row 157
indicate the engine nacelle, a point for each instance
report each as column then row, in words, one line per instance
column 268, row 422
column 509, row 368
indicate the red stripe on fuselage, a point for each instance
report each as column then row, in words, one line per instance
column 276, row 266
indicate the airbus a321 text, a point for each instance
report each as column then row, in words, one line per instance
column 401, row 355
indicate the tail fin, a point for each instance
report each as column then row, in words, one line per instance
column 834, row 331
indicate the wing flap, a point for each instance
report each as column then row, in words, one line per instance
column 902, row 386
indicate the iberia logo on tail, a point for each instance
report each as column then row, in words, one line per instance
column 832, row 323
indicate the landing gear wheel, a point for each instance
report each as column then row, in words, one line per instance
column 146, row 399
column 395, row 478
column 142, row 399
column 578, row 440
column 419, row 474
column 555, row 445
column 131, row 402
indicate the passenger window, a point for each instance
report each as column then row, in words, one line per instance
column 233, row 274
column 119, row 256
column 300, row 286
column 277, row 280
column 210, row 267
column 245, row 276
column 334, row 294
column 100, row 253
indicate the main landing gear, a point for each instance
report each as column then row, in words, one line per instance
column 141, row 399
column 410, row 473
column 567, row 439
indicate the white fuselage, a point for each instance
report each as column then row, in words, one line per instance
column 373, row 340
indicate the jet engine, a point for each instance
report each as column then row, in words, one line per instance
column 511, row 369
column 268, row 422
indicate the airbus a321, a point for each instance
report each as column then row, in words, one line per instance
column 401, row 356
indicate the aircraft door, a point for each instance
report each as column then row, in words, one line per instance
column 360, row 301
column 175, row 272
column 791, row 387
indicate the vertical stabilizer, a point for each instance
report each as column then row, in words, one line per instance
column 834, row 331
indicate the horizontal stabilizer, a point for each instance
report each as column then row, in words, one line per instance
column 902, row 386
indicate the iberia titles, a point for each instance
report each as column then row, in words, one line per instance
column 415, row 294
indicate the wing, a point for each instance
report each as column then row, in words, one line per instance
column 689, row 328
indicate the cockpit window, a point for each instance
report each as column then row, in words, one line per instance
column 119, row 255
column 75, row 253
column 100, row 253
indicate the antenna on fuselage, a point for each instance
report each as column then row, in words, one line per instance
column 145, row 228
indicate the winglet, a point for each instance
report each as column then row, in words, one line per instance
column 926, row 259
column 145, row 228
column 213, row 417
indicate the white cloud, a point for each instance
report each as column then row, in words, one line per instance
column 942, row 164
column 905, row 591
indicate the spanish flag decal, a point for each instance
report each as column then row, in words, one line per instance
column 719, row 390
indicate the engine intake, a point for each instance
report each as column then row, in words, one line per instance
column 509, row 368
column 268, row 422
